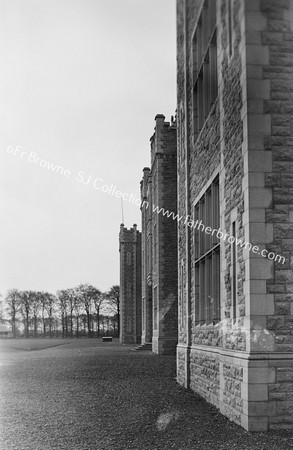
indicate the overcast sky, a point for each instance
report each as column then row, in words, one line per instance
column 80, row 84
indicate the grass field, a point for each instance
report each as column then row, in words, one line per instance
column 10, row 345
column 89, row 395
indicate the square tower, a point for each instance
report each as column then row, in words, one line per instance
column 130, row 285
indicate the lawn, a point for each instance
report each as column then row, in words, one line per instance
column 89, row 395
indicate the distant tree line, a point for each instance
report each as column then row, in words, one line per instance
column 84, row 311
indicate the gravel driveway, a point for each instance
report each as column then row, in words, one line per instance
column 89, row 395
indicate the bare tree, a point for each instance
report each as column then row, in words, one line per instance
column 63, row 303
column 83, row 322
column 113, row 299
column 12, row 302
column 89, row 296
column 43, row 301
column 25, row 301
column 77, row 307
column 71, row 294
column 51, row 301
column 85, row 296
column 98, row 299
column 47, row 302
column 36, row 307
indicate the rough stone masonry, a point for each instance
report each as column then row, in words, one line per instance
column 235, row 140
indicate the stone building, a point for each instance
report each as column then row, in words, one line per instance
column 235, row 183
column 146, row 251
column 130, row 285
column 159, row 241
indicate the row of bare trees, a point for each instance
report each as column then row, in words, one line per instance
column 76, row 312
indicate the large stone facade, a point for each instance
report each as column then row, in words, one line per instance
column 159, row 241
column 130, row 285
column 235, row 160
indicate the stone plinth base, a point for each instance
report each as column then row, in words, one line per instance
column 253, row 390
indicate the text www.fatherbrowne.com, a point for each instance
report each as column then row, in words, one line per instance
column 97, row 183
column 199, row 226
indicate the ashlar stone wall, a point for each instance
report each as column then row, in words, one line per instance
column 243, row 364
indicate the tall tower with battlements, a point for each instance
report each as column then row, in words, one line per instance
column 130, row 285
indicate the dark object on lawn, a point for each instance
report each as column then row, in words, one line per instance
column 107, row 339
